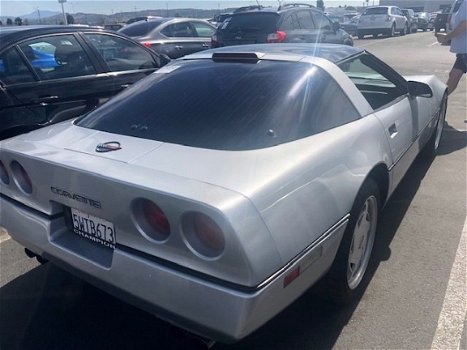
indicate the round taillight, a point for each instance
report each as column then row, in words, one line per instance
column 202, row 235
column 4, row 178
column 151, row 220
column 21, row 177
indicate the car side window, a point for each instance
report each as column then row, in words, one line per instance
column 304, row 20
column 374, row 81
column 203, row 30
column 178, row 30
column 56, row 57
column 321, row 21
column 289, row 22
column 13, row 70
column 120, row 54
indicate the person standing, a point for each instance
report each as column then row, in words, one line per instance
column 458, row 38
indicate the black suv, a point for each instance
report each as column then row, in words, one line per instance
column 52, row 73
column 290, row 23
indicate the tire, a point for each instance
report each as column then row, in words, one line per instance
column 431, row 148
column 344, row 279
column 404, row 31
column 392, row 31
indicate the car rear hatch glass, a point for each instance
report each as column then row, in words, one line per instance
column 248, row 28
column 241, row 105
column 374, row 14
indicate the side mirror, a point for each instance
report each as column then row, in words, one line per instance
column 417, row 88
column 336, row 26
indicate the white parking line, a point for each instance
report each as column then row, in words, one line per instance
column 4, row 238
column 435, row 43
column 453, row 314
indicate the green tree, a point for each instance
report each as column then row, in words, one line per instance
column 9, row 22
column 320, row 4
column 18, row 21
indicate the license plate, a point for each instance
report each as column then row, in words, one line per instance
column 93, row 228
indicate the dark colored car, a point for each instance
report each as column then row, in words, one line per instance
column 291, row 23
column 52, row 73
column 412, row 21
column 442, row 18
column 350, row 26
column 174, row 37
column 424, row 20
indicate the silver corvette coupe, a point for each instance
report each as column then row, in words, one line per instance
column 217, row 190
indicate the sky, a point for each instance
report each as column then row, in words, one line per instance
column 22, row 7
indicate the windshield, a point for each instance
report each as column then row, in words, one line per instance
column 241, row 105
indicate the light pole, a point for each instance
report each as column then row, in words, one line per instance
column 63, row 11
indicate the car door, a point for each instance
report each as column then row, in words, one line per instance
column 204, row 33
column 65, row 83
column 182, row 40
column 400, row 18
column 386, row 91
column 126, row 61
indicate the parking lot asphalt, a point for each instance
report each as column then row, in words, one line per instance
column 415, row 295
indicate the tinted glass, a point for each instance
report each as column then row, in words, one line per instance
column 120, row 54
column 375, row 84
column 264, row 23
column 178, row 30
column 289, row 23
column 376, row 11
column 203, row 30
column 321, row 21
column 304, row 20
column 241, row 106
column 12, row 68
column 141, row 28
column 58, row 56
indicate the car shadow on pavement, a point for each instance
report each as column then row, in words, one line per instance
column 452, row 140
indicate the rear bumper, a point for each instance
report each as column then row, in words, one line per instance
column 379, row 27
column 205, row 307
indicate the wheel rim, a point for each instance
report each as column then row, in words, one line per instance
column 439, row 127
column 362, row 242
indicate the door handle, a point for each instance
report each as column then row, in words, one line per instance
column 205, row 45
column 178, row 47
column 392, row 130
column 48, row 98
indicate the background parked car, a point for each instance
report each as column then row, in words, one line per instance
column 52, row 73
column 174, row 37
column 350, row 26
column 290, row 23
column 386, row 20
column 412, row 20
column 423, row 19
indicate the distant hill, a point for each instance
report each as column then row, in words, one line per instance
column 33, row 16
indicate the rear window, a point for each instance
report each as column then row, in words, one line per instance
column 256, row 22
column 241, row 105
column 376, row 11
column 141, row 28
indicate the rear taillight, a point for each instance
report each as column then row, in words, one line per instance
column 4, row 178
column 151, row 220
column 214, row 41
column 147, row 44
column 276, row 37
column 202, row 235
column 21, row 177
column 388, row 18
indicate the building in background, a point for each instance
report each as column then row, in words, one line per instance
column 418, row 5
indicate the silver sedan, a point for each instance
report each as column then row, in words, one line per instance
column 216, row 191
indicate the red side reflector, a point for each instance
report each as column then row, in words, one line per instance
column 291, row 276
column 147, row 44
